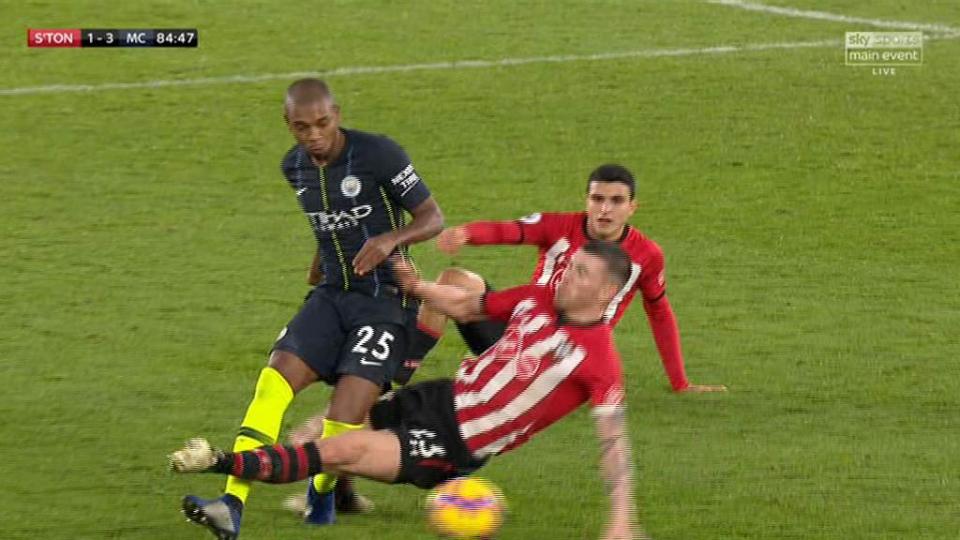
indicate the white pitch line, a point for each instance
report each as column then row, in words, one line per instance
column 435, row 66
column 824, row 16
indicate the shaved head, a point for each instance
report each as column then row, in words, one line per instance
column 313, row 118
column 307, row 92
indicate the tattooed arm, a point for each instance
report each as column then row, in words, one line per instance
column 617, row 471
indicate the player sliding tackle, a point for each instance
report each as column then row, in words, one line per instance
column 556, row 353
column 611, row 201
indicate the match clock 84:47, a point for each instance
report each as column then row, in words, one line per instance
column 176, row 38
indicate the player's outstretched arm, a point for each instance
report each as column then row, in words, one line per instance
column 617, row 472
column 427, row 222
column 666, row 334
column 453, row 301
column 479, row 233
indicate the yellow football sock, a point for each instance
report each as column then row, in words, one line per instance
column 323, row 482
column 261, row 425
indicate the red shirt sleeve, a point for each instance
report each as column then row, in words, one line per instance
column 543, row 229
column 499, row 305
column 536, row 229
column 602, row 372
column 666, row 335
column 481, row 233
column 653, row 283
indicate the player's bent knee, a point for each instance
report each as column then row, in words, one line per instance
column 462, row 278
column 352, row 398
column 272, row 385
column 293, row 369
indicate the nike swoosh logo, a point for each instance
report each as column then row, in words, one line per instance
column 366, row 362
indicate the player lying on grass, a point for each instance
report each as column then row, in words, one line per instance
column 611, row 200
column 351, row 332
column 556, row 353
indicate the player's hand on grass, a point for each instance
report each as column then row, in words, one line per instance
column 374, row 251
column 452, row 239
column 703, row 389
column 310, row 430
column 405, row 274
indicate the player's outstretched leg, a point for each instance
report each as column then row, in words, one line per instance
column 276, row 386
column 273, row 464
column 370, row 454
column 222, row 515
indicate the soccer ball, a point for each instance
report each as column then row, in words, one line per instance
column 466, row 508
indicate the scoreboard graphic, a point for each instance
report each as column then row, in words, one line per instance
column 99, row 37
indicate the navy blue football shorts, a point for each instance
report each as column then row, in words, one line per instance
column 339, row 332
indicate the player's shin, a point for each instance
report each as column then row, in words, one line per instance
column 324, row 483
column 261, row 424
column 277, row 464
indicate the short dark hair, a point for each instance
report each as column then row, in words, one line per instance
column 308, row 90
column 619, row 265
column 611, row 172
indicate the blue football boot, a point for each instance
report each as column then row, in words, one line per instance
column 320, row 509
column 221, row 516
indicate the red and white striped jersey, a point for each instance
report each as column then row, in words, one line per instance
column 559, row 235
column 538, row 372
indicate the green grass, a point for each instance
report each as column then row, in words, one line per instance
column 808, row 210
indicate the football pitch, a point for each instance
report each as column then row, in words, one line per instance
column 809, row 212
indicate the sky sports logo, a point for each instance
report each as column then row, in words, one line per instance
column 889, row 49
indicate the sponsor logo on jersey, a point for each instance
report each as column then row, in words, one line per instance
column 509, row 346
column 405, row 179
column 526, row 362
column 350, row 186
column 339, row 219
column 527, row 366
